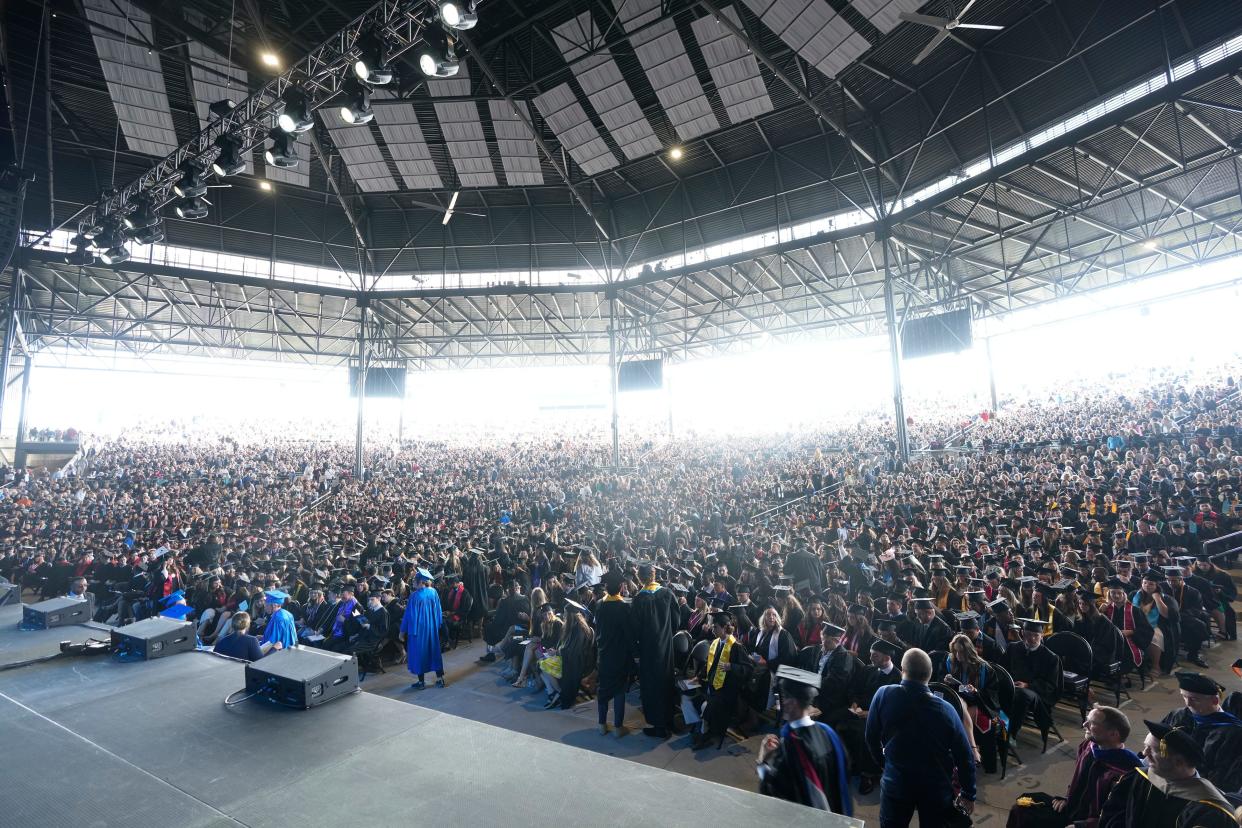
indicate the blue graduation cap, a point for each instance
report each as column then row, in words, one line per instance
column 424, row 575
column 275, row 596
column 177, row 611
column 174, row 598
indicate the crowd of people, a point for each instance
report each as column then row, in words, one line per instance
column 812, row 578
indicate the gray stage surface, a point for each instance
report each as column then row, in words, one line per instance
column 89, row 741
column 21, row 646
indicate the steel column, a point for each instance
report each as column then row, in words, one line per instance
column 612, row 377
column 10, row 334
column 894, row 350
column 362, row 386
column 19, row 453
column 991, row 372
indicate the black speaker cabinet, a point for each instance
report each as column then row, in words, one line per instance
column 302, row 677
column 58, row 612
column 153, row 638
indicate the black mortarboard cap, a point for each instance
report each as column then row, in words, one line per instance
column 1176, row 740
column 1197, row 683
column 832, row 629
column 887, row 647
column 1032, row 624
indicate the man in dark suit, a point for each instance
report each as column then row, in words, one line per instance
column 1036, row 673
column 927, row 630
column 835, row 664
column 1190, row 613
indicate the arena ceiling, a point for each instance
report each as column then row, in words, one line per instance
column 960, row 177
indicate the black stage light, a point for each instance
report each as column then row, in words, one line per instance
column 297, row 115
column 144, row 215
column 284, row 150
column 149, row 235
column 458, row 15
column 114, row 255
column 193, row 182
column 437, row 58
column 229, row 161
column 357, row 107
column 222, row 107
column 191, row 208
column 81, row 254
column 372, row 65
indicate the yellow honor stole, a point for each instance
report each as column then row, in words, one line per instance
column 718, row 679
column 608, row 598
column 651, row 587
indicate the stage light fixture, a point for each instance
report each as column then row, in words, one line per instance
column 438, row 58
column 192, row 183
column 458, row 15
column 110, row 235
column 114, row 255
column 222, row 107
column 149, row 235
column 357, row 109
column 270, row 59
column 1150, row 244
column 229, row 161
column 284, row 150
column 143, row 215
column 81, row 254
column 297, row 115
column 191, row 209
column 676, row 153
column 265, row 186
column 372, row 64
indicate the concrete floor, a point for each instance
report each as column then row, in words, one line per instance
column 477, row 692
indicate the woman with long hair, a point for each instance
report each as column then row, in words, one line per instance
column 970, row 676
column 808, row 630
column 700, row 623
column 774, row 646
column 551, row 632
column 537, row 600
column 858, row 633
column 792, row 613
column 577, row 654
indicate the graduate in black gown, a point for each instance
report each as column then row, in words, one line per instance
column 927, row 630
column 806, row 762
column 881, row 672
column 1170, row 793
column 656, row 617
column 614, row 638
column 1218, row 733
column 726, row 674
column 1036, row 673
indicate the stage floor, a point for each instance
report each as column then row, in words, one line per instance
column 89, row 741
column 22, row 646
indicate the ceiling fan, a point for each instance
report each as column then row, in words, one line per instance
column 944, row 27
column 448, row 212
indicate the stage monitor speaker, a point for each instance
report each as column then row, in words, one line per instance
column 302, row 677
column 58, row 612
column 153, row 638
column 10, row 593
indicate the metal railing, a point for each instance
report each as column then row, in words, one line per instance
column 768, row 514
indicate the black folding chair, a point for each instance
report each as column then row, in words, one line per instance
column 1004, row 692
column 939, row 660
column 1077, row 662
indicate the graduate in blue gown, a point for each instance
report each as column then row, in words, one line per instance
column 420, row 629
column 281, row 632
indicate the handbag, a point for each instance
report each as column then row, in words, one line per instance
column 551, row 665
